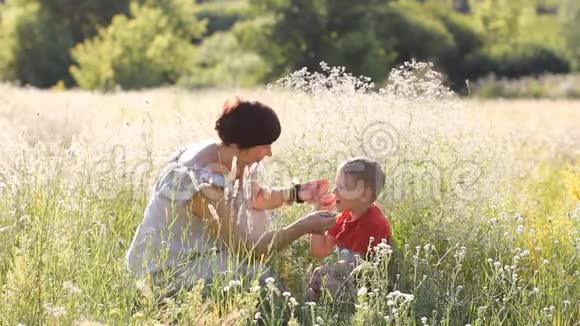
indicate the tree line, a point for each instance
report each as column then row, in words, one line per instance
column 132, row 44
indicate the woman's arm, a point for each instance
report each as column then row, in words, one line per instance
column 269, row 198
column 219, row 215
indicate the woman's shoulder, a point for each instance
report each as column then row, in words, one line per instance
column 197, row 154
column 190, row 167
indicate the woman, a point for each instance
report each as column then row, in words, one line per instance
column 198, row 225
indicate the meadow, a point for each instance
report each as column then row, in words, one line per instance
column 483, row 196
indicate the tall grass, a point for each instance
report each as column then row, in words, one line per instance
column 485, row 219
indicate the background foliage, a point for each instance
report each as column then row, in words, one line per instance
column 149, row 43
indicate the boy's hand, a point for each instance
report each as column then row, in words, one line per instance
column 313, row 191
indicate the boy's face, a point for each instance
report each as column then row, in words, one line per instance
column 349, row 192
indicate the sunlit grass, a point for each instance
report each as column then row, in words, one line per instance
column 77, row 169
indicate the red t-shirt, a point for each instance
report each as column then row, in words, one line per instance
column 355, row 235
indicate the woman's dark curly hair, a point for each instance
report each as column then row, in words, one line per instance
column 247, row 123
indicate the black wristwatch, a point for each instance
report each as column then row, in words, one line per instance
column 297, row 198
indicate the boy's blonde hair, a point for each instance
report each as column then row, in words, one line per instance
column 367, row 170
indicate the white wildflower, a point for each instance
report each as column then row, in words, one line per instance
column 6, row 229
column 362, row 291
column 144, row 288
column 24, row 219
column 424, row 320
column 256, row 288
column 525, row 253
column 54, row 311
column 138, row 315
column 70, row 287
column 286, row 294
column 85, row 322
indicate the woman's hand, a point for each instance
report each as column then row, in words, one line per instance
column 313, row 191
column 318, row 222
column 327, row 202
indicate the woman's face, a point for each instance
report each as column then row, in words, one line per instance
column 254, row 154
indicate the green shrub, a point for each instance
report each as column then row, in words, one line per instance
column 529, row 59
column 434, row 33
column 545, row 86
column 150, row 48
column 301, row 34
column 517, row 61
column 221, row 16
column 36, row 36
column 468, row 41
column 221, row 61
column 32, row 45
column 570, row 18
column 415, row 32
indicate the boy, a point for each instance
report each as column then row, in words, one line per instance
column 360, row 227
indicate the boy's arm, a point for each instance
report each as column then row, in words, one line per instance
column 321, row 245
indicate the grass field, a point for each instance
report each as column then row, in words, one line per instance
column 484, row 198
